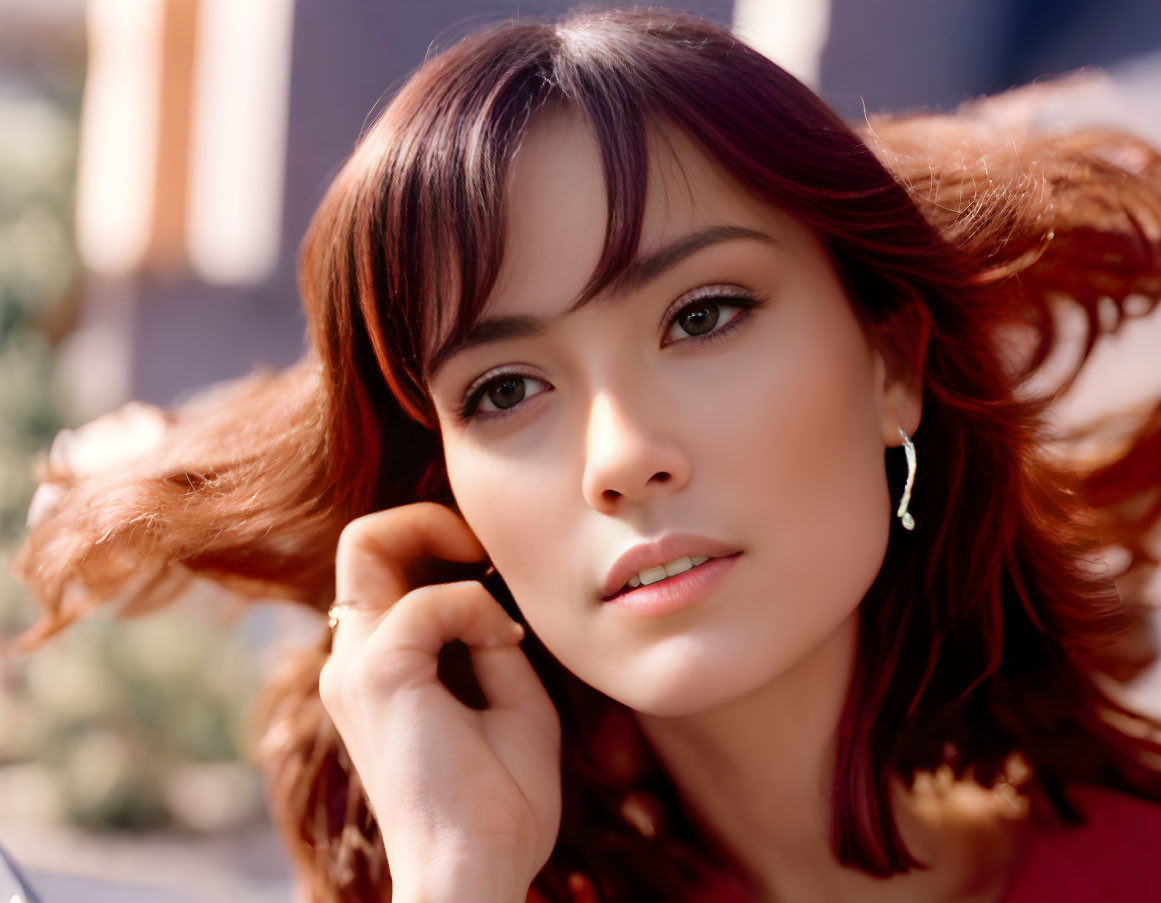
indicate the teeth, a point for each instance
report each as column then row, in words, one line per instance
column 652, row 575
column 672, row 569
column 678, row 567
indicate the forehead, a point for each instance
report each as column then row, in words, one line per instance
column 558, row 209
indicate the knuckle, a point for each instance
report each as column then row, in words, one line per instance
column 376, row 529
column 356, row 531
column 364, row 673
column 377, row 523
column 430, row 509
column 376, row 676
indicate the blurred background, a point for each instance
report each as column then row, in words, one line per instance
column 159, row 162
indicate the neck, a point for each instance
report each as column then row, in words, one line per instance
column 758, row 773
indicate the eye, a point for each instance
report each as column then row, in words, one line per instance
column 498, row 394
column 707, row 315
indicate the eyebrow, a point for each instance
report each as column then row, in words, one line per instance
column 639, row 272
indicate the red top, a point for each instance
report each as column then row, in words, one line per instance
column 1114, row 858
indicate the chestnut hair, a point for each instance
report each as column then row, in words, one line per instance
column 984, row 637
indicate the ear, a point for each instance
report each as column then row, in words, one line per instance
column 899, row 380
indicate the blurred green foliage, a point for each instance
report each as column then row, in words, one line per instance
column 112, row 707
column 112, row 714
column 39, row 271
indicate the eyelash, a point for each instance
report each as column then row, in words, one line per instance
column 744, row 301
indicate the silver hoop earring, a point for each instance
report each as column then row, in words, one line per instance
column 903, row 514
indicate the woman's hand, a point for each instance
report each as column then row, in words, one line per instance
column 464, row 798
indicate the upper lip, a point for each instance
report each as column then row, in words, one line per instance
column 658, row 552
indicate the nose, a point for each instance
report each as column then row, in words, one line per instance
column 630, row 456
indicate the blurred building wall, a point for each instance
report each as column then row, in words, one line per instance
column 906, row 54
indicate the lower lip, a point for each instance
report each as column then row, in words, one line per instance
column 675, row 593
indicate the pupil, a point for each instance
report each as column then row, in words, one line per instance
column 507, row 392
column 700, row 320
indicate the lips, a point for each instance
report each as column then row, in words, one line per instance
column 659, row 552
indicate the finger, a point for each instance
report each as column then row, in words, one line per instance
column 508, row 679
column 426, row 618
column 377, row 552
column 402, row 651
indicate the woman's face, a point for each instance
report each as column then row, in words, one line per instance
column 720, row 401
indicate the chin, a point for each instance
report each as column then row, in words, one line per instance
column 676, row 705
column 681, row 678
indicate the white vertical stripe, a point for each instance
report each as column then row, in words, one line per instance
column 792, row 33
column 119, row 134
column 238, row 143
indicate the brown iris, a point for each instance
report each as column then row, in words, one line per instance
column 699, row 320
column 506, row 392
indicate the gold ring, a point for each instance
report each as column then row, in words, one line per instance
column 339, row 609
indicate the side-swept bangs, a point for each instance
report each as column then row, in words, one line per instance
column 429, row 180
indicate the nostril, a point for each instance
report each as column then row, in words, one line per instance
column 611, row 495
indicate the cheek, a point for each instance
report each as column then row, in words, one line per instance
column 813, row 454
column 513, row 507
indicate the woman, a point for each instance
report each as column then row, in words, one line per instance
column 614, row 322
